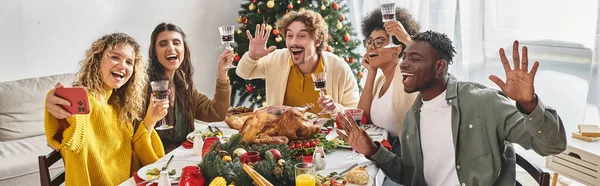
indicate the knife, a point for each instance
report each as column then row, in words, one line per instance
column 350, row 168
column 167, row 165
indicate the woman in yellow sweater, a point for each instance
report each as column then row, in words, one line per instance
column 102, row 147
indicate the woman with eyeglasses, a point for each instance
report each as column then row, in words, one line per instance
column 386, row 92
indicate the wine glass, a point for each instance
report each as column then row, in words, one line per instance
column 388, row 13
column 160, row 89
column 319, row 80
column 357, row 115
column 305, row 174
column 227, row 38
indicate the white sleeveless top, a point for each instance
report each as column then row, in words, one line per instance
column 381, row 111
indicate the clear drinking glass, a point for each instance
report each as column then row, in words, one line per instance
column 160, row 89
column 305, row 174
column 357, row 117
column 227, row 37
column 388, row 13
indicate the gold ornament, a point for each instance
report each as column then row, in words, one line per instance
column 239, row 31
column 281, row 162
column 323, row 7
column 239, row 19
column 258, row 98
column 227, row 159
column 278, row 39
column 269, row 27
column 264, row 104
column 300, row 9
column 298, row 2
column 218, row 181
column 252, row 7
column 270, row 4
column 338, row 25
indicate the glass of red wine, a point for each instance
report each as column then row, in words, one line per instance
column 160, row 89
column 388, row 13
column 357, row 117
column 319, row 80
column 227, row 38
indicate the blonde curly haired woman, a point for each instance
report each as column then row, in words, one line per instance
column 102, row 147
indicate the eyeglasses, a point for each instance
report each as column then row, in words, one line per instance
column 377, row 42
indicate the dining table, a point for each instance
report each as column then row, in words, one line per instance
column 335, row 159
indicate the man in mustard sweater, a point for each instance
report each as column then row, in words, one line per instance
column 287, row 72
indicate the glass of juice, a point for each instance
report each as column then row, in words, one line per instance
column 305, row 174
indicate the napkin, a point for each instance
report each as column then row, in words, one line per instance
column 187, row 144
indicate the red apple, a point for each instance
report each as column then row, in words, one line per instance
column 276, row 154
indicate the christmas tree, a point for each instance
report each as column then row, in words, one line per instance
column 254, row 12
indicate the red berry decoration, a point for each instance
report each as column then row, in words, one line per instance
column 275, row 32
column 347, row 38
column 342, row 18
column 335, row 6
column 290, row 6
column 236, row 58
column 346, row 59
column 250, row 89
column 351, row 60
column 329, row 49
column 360, row 75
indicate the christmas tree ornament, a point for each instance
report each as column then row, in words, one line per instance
column 335, row 6
column 278, row 39
column 249, row 89
column 301, row 9
column 329, row 49
column 253, row 1
column 342, row 18
column 326, row 2
column 323, row 7
column 236, row 58
column 269, row 27
column 275, row 32
column 258, row 98
column 360, row 75
column 346, row 59
column 245, row 21
column 347, row 37
column 264, row 104
column 351, row 60
column 290, row 6
column 239, row 31
column 298, row 2
column 339, row 25
column 239, row 19
column 252, row 7
column 258, row 11
column 270, row 4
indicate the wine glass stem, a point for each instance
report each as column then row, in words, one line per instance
column 321, row 93
column 162, row 122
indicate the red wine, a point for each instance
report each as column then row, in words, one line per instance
column 388, row 17
column 161, row 94
column 319, row 84
column 227, row 38
column 358, row 122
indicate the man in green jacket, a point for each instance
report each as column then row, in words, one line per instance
column 460, row 133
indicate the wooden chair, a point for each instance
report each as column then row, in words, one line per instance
column 542, row 178
column 45, row 161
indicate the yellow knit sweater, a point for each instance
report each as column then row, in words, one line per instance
column 97, row 150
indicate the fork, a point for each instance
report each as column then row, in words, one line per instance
column 150, row 181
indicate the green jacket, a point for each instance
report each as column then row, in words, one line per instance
column 484, row 124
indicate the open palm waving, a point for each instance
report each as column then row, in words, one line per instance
column 258, row 43
column 519, row 82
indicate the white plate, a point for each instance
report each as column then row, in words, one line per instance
column 227, row 132
column 374, row 136
column 178, row 165
column 309, row 116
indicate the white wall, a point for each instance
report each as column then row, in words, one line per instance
column 39, row 38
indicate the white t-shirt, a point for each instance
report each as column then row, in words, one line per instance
column 381, row 111
column 437, row 143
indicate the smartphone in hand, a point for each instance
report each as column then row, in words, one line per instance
column 78, row 97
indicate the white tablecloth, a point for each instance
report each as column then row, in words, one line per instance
column 336, row 160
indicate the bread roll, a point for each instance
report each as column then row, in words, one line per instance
column 358, row 176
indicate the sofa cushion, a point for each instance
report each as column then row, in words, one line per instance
column 19, row 157
column 22, row 105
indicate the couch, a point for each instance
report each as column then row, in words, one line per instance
column 22, row 137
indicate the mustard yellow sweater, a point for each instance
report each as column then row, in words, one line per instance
column 97, row 150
